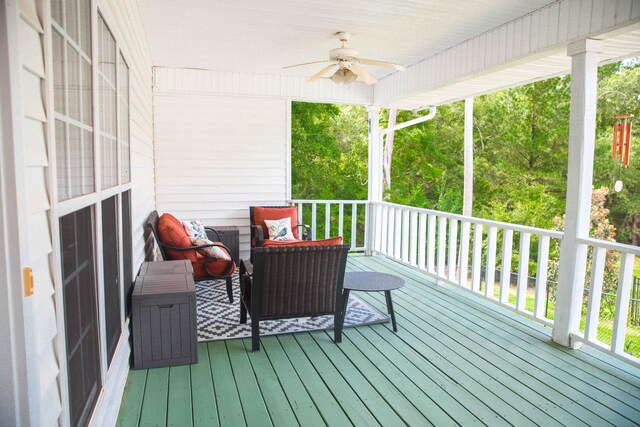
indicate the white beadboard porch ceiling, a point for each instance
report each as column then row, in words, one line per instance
column 264, row 36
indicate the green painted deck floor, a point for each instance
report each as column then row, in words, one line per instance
column 456, row 360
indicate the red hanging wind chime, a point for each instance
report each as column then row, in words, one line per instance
column 622, row 138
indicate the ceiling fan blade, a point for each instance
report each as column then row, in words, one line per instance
column 321, row 73
column 385, row 64
column 305, row 63
column 363, row 74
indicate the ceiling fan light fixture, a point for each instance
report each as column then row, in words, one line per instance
column 344, row 75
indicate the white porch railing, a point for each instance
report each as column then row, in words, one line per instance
column 471, row 253
column 330, row 218
column 506, row 263
column 612, row 337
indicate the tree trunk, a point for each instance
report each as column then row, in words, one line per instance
column 388, row 153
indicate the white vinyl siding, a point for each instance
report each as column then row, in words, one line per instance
column 70, row 120
column 34, row 142
column 241, row 84
column 216, row 156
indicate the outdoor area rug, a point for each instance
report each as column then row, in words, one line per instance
column 220, row 320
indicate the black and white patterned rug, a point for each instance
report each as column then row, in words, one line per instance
column 220, row 320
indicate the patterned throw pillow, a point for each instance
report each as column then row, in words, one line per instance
column 279, row 229
column 211, row 251
column 194, row 229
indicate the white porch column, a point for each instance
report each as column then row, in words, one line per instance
column 467, row 198
column 374, row 193
column 573, row 256
column 375, row 155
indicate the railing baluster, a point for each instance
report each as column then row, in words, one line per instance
column 405, row 236
column 377, row 222
column 300, row 219
column 384, row 226
column 431, row 244
column 413, row 245
column 340, row 219
column 595, row 294
column 442, row 245
column 390, row 229
column 367, row 220
column 354, row 226
column 541, row 277
column 490, row 273
column 397, row 234
column 523, row 271
column 422, row 240
column 505, row 274
column 622, row 303
column 476, row 261
column 313, row 221
column 465, row 234
column 453, row 245
column 327, row 220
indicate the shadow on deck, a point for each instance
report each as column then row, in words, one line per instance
column 456, row 360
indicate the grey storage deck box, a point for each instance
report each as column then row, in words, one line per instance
column 166, row 267
column 164, row 321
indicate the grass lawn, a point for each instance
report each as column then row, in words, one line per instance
column 605, row 325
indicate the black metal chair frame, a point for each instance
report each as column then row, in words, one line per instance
column 152, row 226
column 288, row 273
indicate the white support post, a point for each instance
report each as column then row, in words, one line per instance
column 467, row 199
column 374, row 172
column 573, row 255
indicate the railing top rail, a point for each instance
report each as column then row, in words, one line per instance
column 333, row 202
column 520, row 228
column 614, row 246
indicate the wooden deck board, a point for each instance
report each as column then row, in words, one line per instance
column 456, row 359
column 579, row 385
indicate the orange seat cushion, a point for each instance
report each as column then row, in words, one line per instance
column 282, row 243
column 217, row 268
column 260, row 214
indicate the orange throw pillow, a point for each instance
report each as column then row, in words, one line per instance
column 260, row 214
column 171, row 232
column 286, row 243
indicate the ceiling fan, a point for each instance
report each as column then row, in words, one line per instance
column 348, row 64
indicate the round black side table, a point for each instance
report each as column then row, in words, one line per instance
column 370, row 281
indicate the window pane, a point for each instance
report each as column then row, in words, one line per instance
column 108, row 123
column 56, row 11
column 109, row 159
column 73, row 81
column 59, row 89
column 87, row 117
column 62, row 161
column 73, row 92
column 125, row 150
column 85, row 27
column 71, row 26
column 75, row 173
column 89, row 174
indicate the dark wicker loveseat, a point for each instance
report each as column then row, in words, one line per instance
column 289, row 282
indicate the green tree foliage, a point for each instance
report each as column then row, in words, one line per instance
column 619, row 92
column 329, row 151
column 426, row 169
column 520, row 153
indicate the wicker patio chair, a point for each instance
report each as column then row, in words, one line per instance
column 258, row 230
column 288, row 282
column 205, row 267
